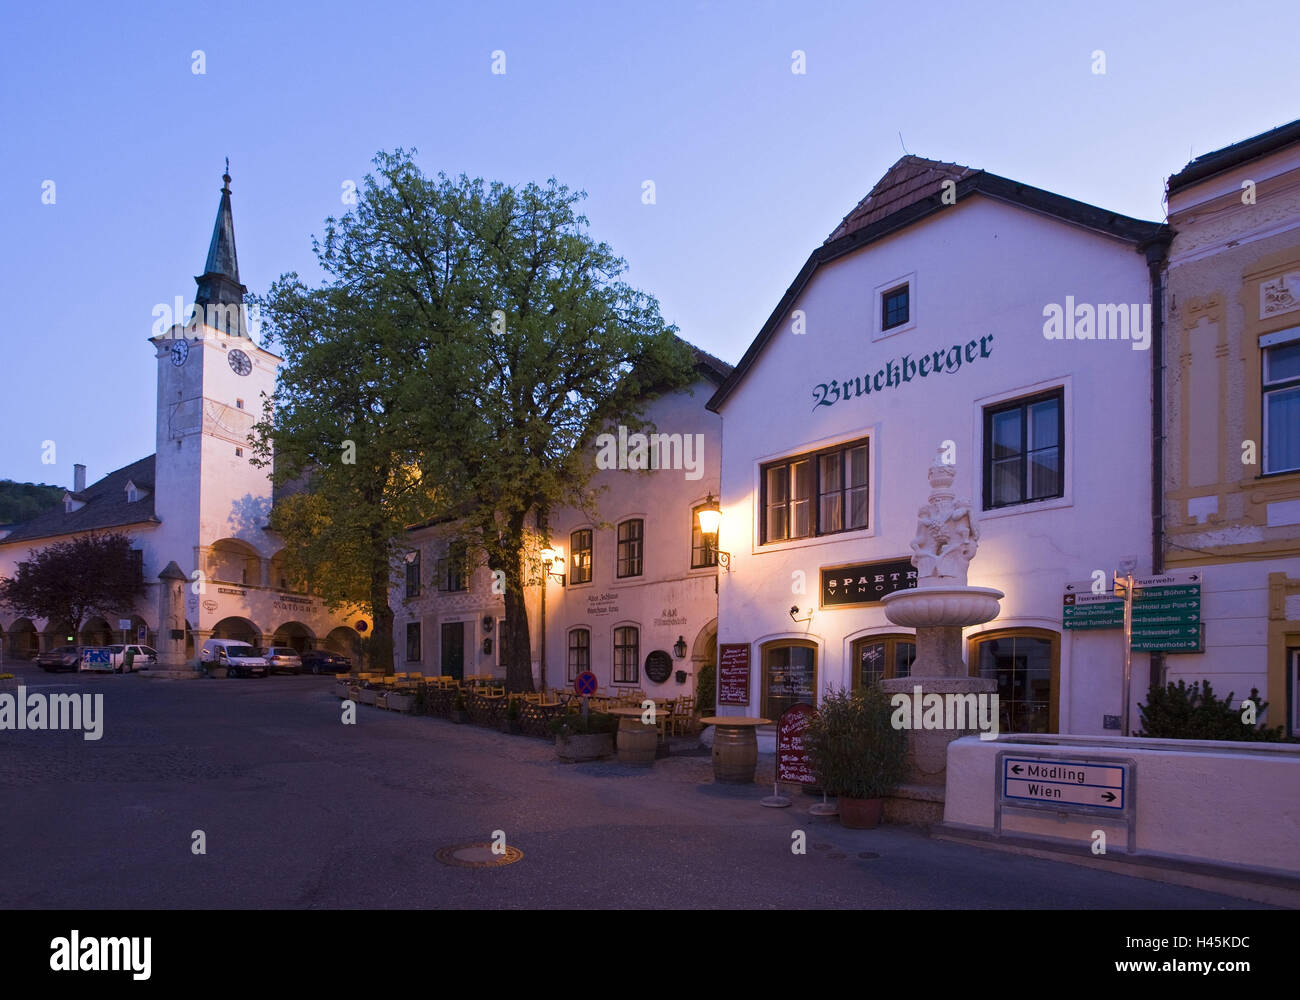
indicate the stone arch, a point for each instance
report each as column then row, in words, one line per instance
column 294, row 634
column 23, row 641
column 57, row 633
column 95, row 631
column 238, row 628
column 344, row 640
column 282, row 579
column 232, row 560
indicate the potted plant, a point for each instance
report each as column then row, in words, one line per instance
column 578, row 740
column 460, row 709
column 857, row 753
column 369, row 695
column 399, row 701
column 420, row 700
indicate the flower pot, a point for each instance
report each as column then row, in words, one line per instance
column 369, row 696
column 860, row 814
column 400, row 702
column 586, row 746
column 354, row 693
column 341, row 688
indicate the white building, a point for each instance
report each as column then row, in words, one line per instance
column 198, row 500
column 922, row 324
column 639, row 581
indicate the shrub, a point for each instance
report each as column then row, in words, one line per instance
column 853, row 747
column 1179, row 712
column 571, row 724
column 706, row 688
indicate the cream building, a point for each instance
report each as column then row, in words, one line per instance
column 198, row 500
column 1232, row 470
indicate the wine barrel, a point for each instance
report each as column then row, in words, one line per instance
column 636, row 743
column 735, row 754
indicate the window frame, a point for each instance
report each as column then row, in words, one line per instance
column 415, row 629
column 413, row 576
column 635, row 646
column 1266, row 389
column 1022, row 403
column 891, row 641
column 620, row 560
column 815, row 499
column 575, row 549
column 571, row 673
column 453, row 568
column 1024, row 632
column 764, row 667
column 904, row 287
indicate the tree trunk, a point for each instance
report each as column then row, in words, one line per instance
column 381, row 628
column 519, row 645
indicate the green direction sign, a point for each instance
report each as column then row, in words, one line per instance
column 1167, row 612
column 1082, row 609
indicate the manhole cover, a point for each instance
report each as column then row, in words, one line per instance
column 477, row 856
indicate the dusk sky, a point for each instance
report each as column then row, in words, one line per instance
column 753, row 165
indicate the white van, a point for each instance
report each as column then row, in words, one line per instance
column 238, row 657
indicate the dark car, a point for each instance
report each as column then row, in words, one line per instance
column 322, row 661
column 60, row 658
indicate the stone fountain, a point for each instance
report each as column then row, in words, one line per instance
column 939, row 607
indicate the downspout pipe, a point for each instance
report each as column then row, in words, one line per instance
column 1156, row 251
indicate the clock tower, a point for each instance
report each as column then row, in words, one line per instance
column 212, row 378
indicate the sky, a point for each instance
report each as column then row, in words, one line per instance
column 753, row 165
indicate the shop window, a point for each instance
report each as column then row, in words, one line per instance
column 836, row 478
column 1025, row 663
column 1282, row 406
column 580, row 543
column 789, row 676
column 1024, row 449
column 579, row 652
column 631, row 541
column 627, row 655
column 413, row 653
column 882, row 657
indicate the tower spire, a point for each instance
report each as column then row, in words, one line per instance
column 219, row 284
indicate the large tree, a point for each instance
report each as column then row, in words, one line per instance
column 73, row 580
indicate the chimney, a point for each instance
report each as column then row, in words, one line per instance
column 78, row 478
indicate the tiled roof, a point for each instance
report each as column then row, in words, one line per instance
column 909, row 180
column 713, row 364
column 105, row 506
column 1235, row 155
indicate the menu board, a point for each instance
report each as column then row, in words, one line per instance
column 791, row 754
column 733, row 674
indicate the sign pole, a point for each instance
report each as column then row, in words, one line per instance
column 1128, row 645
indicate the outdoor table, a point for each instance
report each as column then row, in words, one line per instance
column 735, row 747
column 636, row 742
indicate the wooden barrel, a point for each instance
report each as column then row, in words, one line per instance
column 735, row 754
column 636, row 743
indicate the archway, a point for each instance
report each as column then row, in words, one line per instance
column 240, row 629
column 95, row 632
column 233, row 561
column 345, row 641
column 294, row 634
column 58, row 634
column 24, row 640
column 704, row 657
column 282, row 578
column 149, row 636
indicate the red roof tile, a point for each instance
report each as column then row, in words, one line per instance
column 908, row 181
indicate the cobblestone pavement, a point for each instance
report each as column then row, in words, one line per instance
column 299, row 810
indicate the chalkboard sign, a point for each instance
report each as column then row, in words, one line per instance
column 733, row 674
column 791, row 754
column 658, row 666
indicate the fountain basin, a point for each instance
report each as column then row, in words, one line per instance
column 939, row 607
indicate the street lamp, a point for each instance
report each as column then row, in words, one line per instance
column 710, row 518
column 679, row 647
column 552, row 557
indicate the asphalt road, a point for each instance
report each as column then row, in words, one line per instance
column 300, row 811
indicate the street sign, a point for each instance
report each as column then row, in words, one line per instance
column 1167, row 612
column 97, row 658
column 1065, row 782
column 1083, row 609
column 585, row 683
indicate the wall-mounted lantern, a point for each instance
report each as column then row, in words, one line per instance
column 710, row 518
column 679, row 647
column 553, row 563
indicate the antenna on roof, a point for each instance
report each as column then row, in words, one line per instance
column 901, row 143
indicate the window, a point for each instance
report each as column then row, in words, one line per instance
column 579, row 652
column 1282, row 407
column 703, row 550
column 631, row 535
column 580, row 556
column 412, row 575
column 789, row 676
column 413, row 653
column 239, row 403
column 836, row 477
column 627, row 655
column 881, row 657
column 453, row 571
column 137, row 563
column 132, row 494
column 1025, row 663
column 1024, row 443
column 239, row 452
column 894, row 307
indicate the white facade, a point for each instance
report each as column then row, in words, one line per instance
column 665, row 601
column 981, row 273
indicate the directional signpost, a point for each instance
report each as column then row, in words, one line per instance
column 1167, row 612
column 585, row 684
column 1083, row 609
column 1066, row 782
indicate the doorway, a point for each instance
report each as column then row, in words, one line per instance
column 453, row 650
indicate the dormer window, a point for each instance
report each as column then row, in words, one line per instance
column 134, row 493
column 70, row 503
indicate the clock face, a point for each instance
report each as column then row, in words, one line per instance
column 239, row 362
column 180, row 351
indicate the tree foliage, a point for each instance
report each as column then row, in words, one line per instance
column 74, row 580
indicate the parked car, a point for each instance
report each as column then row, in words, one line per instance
column 140, row 656
column 238, row 657
column 322, row 661
column 60, row 658
column 283, row 658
